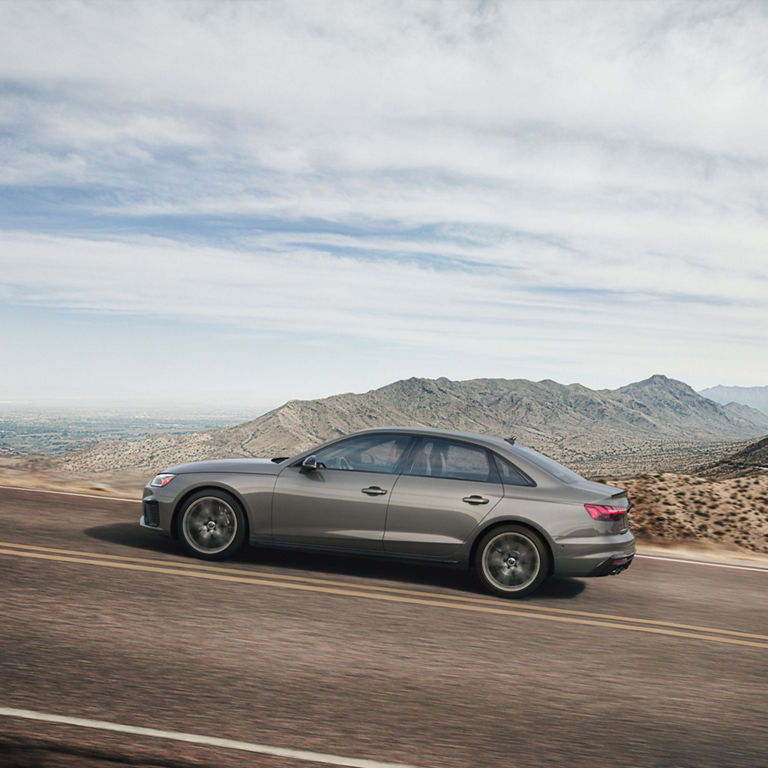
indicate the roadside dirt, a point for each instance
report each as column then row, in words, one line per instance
column 36, row 472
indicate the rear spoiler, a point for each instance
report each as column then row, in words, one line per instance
column 623, row 495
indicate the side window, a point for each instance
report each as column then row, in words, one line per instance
column 367, row 453
column 511, row 475
column 437, row 457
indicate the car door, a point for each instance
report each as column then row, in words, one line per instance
column 343, row 503
column 446, row 489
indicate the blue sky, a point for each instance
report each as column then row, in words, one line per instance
column 245, row 203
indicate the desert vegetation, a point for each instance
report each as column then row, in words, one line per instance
column 670, row 508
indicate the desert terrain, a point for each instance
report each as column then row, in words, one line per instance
column 696, row 470
column 671, row 509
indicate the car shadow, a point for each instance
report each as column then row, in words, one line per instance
column 132, row 535
column 332, row 563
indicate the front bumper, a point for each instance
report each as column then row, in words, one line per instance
column 157, row 508
column 150, row 514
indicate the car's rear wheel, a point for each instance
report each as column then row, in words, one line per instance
column 211, row 525
column 512, row 561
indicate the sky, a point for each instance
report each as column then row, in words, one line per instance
column 238, row 204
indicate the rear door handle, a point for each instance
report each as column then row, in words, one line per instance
column 475, row 499
column 374, row 490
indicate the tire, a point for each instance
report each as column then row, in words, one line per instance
column 212, row 525
column 512, row 561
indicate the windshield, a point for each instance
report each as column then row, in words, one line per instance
column 549, row 465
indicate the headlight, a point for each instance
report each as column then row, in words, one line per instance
column 162, row 480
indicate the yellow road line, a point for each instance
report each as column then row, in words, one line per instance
column 195, row 566
column 361, row 592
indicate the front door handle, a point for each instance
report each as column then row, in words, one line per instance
column 475, row 499
column 374, row 490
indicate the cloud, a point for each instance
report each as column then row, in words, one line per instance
column 282, row 286
column 516, row 178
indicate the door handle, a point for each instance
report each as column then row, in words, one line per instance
column 374, row 490
column 475, row 499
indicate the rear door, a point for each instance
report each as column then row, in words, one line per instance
column 446, row 489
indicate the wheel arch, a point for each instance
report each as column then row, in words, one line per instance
column 208, row 487
column 512, row 521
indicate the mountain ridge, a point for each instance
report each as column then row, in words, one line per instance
column 754, row 397
column 571, row 422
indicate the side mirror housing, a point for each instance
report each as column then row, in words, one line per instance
column 309, row 464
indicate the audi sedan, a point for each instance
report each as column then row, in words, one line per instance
column 513, row 514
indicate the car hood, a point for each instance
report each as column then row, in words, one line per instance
column 247, row 466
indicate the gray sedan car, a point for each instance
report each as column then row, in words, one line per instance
column 514, row 514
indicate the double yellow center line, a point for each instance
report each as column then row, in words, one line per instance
column 391, row 594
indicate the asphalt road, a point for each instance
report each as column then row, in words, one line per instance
column 347, row 660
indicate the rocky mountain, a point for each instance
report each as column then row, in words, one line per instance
column 754, row 397
column 587, row 428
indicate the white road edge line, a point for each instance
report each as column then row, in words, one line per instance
column 639, row 554
column 208, row 741
column 666, row 559
column 68, row 493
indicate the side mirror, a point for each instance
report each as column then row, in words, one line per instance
column 309, row 464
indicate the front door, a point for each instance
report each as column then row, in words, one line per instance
column 343, row 503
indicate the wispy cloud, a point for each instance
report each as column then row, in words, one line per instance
column 525, row 180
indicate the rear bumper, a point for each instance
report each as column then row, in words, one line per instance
column 595, row 555
column 613, row 565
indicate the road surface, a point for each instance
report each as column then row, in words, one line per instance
column 116, row 649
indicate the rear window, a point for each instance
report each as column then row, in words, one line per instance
column 550, row 466
column 511, row 475
column 439, row 457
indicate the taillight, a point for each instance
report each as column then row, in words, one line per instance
column 604, row 512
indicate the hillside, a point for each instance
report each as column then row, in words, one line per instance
column 593, row 430
column 670, row 508
column 753, row 459
column 754, row 397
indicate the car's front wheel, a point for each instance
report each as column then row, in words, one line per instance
column 512, row 561
column 211, row 525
